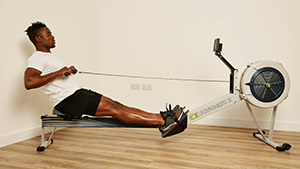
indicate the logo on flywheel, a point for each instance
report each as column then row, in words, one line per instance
column 210, row 108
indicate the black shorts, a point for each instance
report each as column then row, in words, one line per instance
column 81, row 102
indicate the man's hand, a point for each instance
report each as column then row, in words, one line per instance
column 65, row 71
column 73, row 69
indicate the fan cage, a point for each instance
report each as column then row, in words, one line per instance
column 267, row 84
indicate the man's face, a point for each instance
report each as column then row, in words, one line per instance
column 46, row 38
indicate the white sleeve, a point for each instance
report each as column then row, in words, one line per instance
column 36, row 62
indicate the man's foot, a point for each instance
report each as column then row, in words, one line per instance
column 175, row 121
column 177, row 110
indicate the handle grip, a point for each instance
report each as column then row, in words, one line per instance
column 73, row 71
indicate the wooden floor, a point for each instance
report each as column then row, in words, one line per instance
column 199, row 146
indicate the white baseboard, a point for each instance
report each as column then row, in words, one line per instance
column 22, row 135
column 248, row 123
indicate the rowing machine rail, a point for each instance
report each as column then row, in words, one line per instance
column 84, row 122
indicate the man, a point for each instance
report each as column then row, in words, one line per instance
column 48, row 71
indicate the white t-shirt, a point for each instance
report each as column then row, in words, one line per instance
column 61, row 87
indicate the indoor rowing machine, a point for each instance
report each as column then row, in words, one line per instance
column 264, row 84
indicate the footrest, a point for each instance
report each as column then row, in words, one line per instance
column 178, row 128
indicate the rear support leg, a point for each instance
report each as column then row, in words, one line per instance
column 45, row 144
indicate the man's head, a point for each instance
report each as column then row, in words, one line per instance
column 40, row 35
column 34, row 30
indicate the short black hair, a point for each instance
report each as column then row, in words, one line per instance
column 33, row 29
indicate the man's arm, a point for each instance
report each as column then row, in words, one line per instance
column 33, row 78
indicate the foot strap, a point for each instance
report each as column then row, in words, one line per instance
column 180, row 125
column 174, row 117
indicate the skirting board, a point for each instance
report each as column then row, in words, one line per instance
column 22, row 135
column 248, row 123
column 212, row 121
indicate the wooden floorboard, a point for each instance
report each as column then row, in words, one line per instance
column 200, row 146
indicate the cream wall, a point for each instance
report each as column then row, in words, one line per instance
column 163, row 38
column 74, row 24
column 174, row 39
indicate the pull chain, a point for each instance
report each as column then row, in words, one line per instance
column 156, row 78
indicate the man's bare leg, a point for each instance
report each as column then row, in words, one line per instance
column 128, row 115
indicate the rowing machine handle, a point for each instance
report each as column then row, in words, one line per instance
column 73, row 71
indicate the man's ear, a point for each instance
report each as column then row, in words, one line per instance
column 37, row 39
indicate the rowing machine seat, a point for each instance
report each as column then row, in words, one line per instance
column 64, row 116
